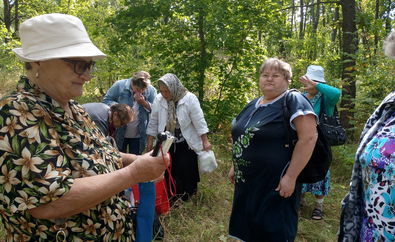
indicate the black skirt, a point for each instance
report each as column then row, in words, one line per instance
column 184, row 170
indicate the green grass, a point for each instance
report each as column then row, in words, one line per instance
column 7, row 83
column 206, row 216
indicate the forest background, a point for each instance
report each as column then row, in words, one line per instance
column 216, row 49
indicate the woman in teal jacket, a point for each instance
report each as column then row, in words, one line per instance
column 315, row 89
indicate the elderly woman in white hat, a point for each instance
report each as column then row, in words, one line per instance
column 60, row 178
column 316, row 90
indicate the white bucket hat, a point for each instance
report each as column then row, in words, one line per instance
column 315, row 73
column 55, row 35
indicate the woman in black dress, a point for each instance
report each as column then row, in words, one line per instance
column 264, row 171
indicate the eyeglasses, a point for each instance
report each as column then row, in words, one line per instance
column 81, row 67
column 274, row 76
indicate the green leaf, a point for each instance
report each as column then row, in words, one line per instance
column 41, row 147
column 43, row 129
column 15, row 145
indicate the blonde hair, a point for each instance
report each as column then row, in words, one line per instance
column 389, row 45
column 279, row 65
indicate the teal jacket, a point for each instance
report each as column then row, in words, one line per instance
column 331, row 97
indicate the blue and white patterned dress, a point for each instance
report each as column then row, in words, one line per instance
column 369, row 209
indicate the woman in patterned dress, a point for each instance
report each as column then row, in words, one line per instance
column 266, row 195
column 60, row 178
column 316, row 90
column 368, row 210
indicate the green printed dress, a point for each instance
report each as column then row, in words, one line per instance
column 42, row 151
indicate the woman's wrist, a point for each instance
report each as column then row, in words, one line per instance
column 291, row 175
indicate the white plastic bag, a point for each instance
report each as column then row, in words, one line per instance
column 207, row 161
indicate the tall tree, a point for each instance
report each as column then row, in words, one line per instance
column 203, row 52
column 213, row 47
column 316, row 18
column 301, row 20
column 8, row 17
column 388, row 10
column 335, row 24
column 376, row 17
column 16, row 17
column 349, row 54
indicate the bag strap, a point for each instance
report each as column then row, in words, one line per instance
column 286, row 115
column 322, row 109
column 290, row 134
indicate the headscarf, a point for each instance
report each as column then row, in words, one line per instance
column 177, row 91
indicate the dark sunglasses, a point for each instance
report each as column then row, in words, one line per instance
column 81, row 67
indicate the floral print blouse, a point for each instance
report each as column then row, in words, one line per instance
column 42, row 151
column 369, row 209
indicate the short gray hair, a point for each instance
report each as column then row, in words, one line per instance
column 389, row 45
column 278, row 65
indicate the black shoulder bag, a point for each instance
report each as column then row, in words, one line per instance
column 320, row 161
column 331, row 127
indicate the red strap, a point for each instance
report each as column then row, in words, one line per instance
column 171, row 185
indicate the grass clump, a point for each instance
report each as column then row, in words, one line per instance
column 206, row 216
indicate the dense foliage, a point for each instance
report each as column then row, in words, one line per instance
column 217, row 47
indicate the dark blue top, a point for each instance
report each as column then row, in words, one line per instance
column 260, row 158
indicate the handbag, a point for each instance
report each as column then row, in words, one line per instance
column 331, row 126
column 162, row 204
column 206, row 161
column 320, row 161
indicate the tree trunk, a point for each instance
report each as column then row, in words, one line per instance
column 349, row 47
column 301, row 28
column 292, row 15
column 387, row 19
column 203, row 55
column 305, row 20
column 315, row 13
column 376, row 32
column 7, row 15
column 312, row 11
column 316, row 17
column 16, row 18
column 335, row 21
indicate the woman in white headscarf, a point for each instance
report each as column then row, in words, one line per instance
column 178, row 111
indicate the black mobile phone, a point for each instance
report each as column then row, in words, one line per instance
column 164, row 140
